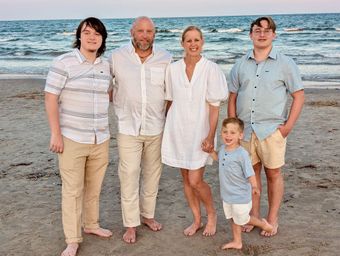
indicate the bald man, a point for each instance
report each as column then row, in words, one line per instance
column 138, row 98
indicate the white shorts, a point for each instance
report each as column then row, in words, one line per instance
column 238, row 212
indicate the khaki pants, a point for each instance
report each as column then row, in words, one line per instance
column 139, row 156
column 82, row 170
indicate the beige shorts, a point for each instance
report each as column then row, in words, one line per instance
column 270, row 151
column 238, row 212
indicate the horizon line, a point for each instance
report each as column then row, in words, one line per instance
column 170, row 17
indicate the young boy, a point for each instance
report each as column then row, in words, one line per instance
column 237, row 181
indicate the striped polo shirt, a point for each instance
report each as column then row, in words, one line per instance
column 83, row 96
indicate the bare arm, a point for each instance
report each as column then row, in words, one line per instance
column 214, row 155
column 167, row 107
column 295, row 110
column 208, row 142
column 52, row 110
column 232, row 104
column 253, row 183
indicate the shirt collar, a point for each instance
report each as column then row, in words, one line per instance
column 272, row 54
column 81, row 58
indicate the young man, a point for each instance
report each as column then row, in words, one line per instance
column 77, row 100
column 259, row 85
column 139, row 93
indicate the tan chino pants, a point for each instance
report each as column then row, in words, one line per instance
column 82, row 169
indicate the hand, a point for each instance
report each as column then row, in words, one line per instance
column 56, row 143
column 255, row 191
column 284, row 130
column 208, row 145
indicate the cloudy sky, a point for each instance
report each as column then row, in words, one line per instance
column 78, row 9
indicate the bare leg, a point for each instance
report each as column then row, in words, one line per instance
column 261, row 223
column 194, row 204
column 203, row 192
column 130, row 235
column 275, row 194
column 71, row 250
column 256, row 199
column 237, row 237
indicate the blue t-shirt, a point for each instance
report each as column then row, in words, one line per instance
column 234, row 170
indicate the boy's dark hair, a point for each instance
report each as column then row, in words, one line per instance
column 271, row 23
column 98, row 26
column 233, row 120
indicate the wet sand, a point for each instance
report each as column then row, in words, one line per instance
column 30, row 196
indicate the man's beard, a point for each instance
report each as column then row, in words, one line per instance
column 143, row 46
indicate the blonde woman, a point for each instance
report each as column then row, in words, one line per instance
column 195, row 86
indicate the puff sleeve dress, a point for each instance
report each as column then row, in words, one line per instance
column 187, row 122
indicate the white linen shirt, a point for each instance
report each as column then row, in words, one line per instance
column 139, row 90
column 82, row 88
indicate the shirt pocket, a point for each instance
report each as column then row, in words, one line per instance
column 157, row 76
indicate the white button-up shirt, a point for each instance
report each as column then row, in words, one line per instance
column 82, row 88
column 139, row 90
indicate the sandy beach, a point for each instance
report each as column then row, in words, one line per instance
column 30, row 189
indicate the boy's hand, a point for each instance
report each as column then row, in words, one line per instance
column 255, row 191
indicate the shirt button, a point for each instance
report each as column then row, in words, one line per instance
column 252, row 111
column 255, row 87
column 223, row 164
column 252, row 122
column 257, row 75
column 253, row 99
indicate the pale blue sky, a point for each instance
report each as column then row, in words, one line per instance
column 78, row 9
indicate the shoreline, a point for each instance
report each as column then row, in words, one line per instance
column 306, row 84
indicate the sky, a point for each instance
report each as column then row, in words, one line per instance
column 79, row 9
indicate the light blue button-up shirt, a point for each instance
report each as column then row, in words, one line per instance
column 262, row 91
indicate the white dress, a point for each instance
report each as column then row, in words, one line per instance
column 187, row 122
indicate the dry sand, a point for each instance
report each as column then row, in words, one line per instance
column 30, row 216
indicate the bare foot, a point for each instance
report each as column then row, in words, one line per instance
column 71, row 250
column 267, row 227
column 232, row 245
column 210, row 228
column 152, row 224
column 101, row 232
column 130, row 235
column 192, row 229
column 273, row 231
column 247, row 228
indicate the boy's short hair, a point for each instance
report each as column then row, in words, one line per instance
column 233, row 120
column 257, row 22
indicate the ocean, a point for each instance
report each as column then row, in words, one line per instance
column 312, row 40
